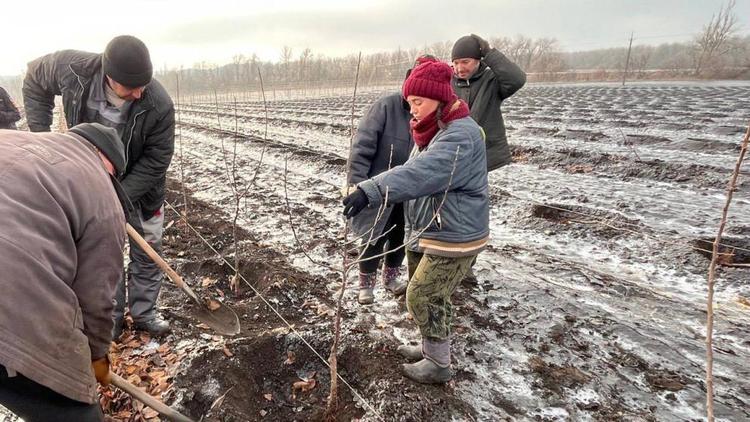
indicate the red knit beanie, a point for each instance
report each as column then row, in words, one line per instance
column 431, row 79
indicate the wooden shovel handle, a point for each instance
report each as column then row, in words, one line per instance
column 172, row 274
column 148, row 400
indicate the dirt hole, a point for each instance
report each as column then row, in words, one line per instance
column 728, row 252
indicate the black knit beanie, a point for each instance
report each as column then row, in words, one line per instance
column 466, row 48
column 107, row 140
column 127, row 61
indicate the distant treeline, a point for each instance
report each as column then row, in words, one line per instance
column 541, row 58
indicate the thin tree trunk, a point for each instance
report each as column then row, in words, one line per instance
column 332, row 360
column 712, row 280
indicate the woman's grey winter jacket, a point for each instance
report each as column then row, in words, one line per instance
column 453, row 162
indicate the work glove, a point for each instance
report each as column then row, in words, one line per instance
column 484, row 45
column 346, row 190
column 354, row 203
column 101, row 370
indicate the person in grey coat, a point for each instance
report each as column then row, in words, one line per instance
column 444, row 188
column 9, row 113
column 116, row 89
column 61, row 245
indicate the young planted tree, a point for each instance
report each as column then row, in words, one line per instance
column 332, row 359
column 712, row 280
column 182, row 157
column 240, row 188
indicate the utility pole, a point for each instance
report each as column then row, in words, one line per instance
column 627, row 60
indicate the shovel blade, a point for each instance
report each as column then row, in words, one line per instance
column 222, row 319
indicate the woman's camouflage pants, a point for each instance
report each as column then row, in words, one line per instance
column 432, row 281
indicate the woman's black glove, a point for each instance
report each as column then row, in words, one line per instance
column 354, row 203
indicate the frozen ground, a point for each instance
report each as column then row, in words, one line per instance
column 591, row 298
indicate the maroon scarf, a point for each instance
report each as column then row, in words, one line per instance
column 424, row 130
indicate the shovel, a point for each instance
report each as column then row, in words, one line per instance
column 148, row 400
column 220, row 317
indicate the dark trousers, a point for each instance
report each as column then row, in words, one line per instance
column 36, row 403
column 393, row 240
column 144, row 277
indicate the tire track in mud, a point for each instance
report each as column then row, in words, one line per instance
column 573, row 320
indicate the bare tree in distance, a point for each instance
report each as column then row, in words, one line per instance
column 286, row 59
column 640, row 59
column 532, row 55
column 714, row 41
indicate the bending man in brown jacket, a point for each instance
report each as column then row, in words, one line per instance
column 60, row 259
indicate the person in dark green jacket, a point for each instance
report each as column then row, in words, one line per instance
column 484, row 77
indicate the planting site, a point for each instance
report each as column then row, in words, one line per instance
column 375, row 211
column 591, row 298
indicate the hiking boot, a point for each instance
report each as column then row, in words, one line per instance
column 156, row 326
column 426, row 372
column 410, row 352
column 392, row 280
column 367, row 288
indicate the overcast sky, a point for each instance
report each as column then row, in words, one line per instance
column 181, row 33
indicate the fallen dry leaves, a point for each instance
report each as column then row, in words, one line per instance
column 228, row 353
column 207, row 282
column 304, row 385
column 290, row 358
column 149, row 366
column 212, row 304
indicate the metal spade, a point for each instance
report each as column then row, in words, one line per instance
column 220, row 317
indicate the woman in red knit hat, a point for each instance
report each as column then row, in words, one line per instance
column 443, row 186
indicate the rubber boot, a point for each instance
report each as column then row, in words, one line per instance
column 435, row 367
column 393, row 281
column 367, row 288
column 411, row 352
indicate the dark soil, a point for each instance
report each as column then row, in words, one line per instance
column 257, row 380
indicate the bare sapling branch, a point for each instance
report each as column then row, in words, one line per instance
column 293, row 226
column 182, row 157
column 332, row 359
column 415, row 236
column 712, row 279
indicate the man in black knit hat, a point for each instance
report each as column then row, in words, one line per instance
column 484, row 78
column 116, row 89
